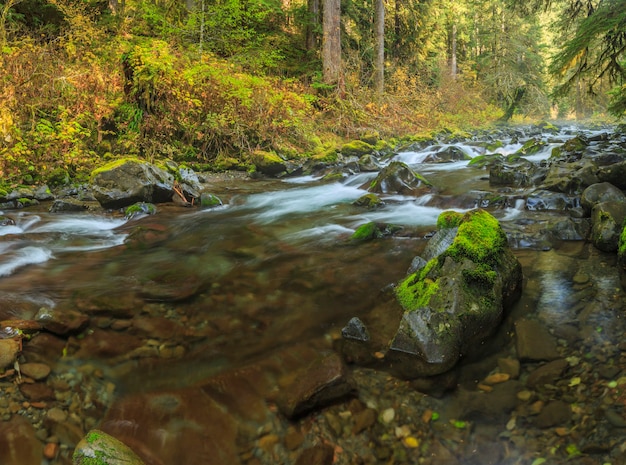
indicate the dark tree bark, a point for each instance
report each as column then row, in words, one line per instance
column 312, row 39
column 331, row 43
column 379, row 63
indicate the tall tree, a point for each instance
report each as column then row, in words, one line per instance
column 313, row 23
column 379, row 45
column 331, row 42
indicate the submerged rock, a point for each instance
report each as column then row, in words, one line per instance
column 18, row 443
column 456, row 300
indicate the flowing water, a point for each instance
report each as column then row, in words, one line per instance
column 273, row 267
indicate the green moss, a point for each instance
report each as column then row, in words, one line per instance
column 326, row 156
column 449, row 219
column 365, row 232
column 531, row 146
column 114, row 164
column 356, row 148
column 370, row 201
column 480, row 238
column 621, row 248
column 481, row 161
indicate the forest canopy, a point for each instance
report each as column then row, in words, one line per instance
column 211, row 81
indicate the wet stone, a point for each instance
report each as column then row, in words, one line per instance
column 321, row 454
column 9, row 349
column 18, row 443
column 510, row 366
column 323, row 381
column 62, row 322
column 108, row 449
column 37, row 392
column 364, row 420
column 355, row 329
column 555, row 413
column 36, row 371
column 534, row 342
column 547, row 374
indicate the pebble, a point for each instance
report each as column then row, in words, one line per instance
column 497, row 378
column 9, row 349
column 388, row 415
column 36, row 371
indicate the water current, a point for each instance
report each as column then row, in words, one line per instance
column 274, row 266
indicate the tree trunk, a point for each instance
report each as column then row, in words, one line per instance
column 453, row 65
column 331, row 43
column 379, row 63
column 313, row 24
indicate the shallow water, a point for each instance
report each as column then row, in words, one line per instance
column 271, row 268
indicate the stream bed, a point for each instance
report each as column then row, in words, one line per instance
column 178, row 332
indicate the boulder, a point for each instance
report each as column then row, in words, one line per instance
column 398, row 178
column 356, row 148
column 124, row 182
column 447, row 154
column 521, row 173
column 268, row 163
column 600, row 192
column 614, row 173
column 571, row 178
column 607, row 219
column 455, row 301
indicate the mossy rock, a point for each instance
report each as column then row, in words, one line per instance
column 268, row 163
column 531, row 147
column 487, row 160
column 99, row 448
column 326, row 156
column 356, row 148
column 370, row 201
column 115, row 164
column 208, row 200
column 398, row 178
column 372, row 230
column 457, row 299
column 140, row 208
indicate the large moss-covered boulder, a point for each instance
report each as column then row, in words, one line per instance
column 398, row 178
column 268, row 163
column 356, row 148
column 607, row 219
column 521, row 173
column 457, row 299
column 127, row 181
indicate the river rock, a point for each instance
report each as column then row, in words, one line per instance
column 456, row 300
column 124, row 182
column 571, row 178
column 321, row 454
column 184, row 426
column 62, row 322
column 522, row 173
column 18, row 443
column 268, row 163
column 325, row 380
column 600, row 192
column 614, row 174
column 398, row 178
column 534, row 342
column 555, row 413
column 546, row 374
column 607, row 219
column 36, row 371
column 9, row 348
column 99, row 448
column 70, row 205
column 447, row 154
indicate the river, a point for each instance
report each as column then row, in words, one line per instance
column 186, row 297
